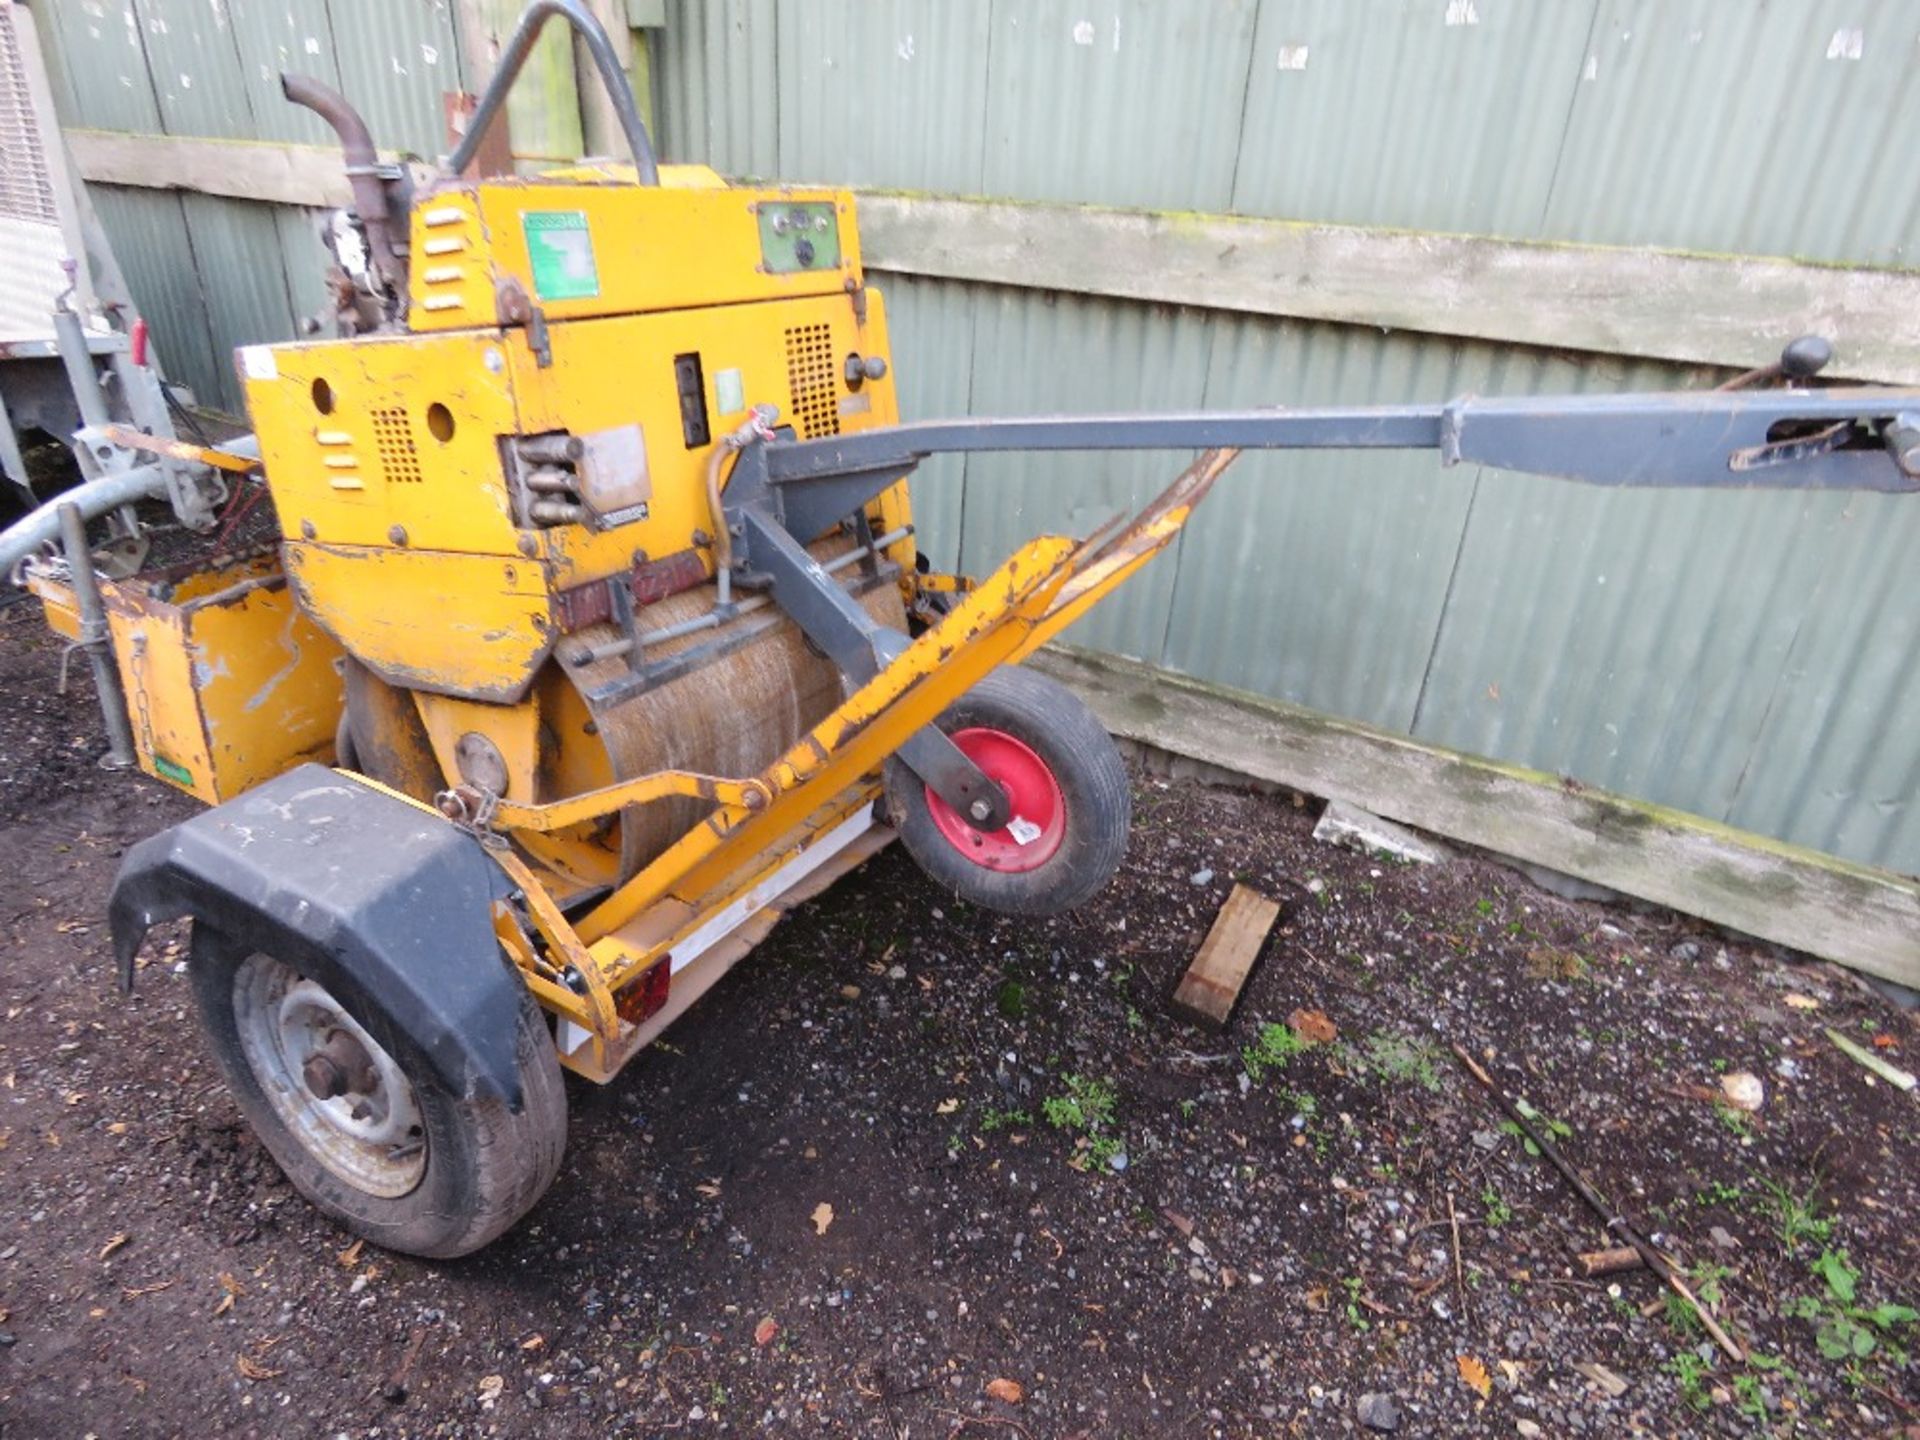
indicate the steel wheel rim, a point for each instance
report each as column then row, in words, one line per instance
column 1037, row 813
column 372, row 1134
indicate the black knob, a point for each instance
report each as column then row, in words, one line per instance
column 803, row 250
column 1806, row 357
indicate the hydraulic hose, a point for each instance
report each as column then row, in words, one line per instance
column 717, row 513
column 95, row 498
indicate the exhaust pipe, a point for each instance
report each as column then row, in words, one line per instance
column 364, row 172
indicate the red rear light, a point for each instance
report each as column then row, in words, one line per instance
column 646, row 995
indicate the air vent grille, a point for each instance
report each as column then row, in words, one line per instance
column 393, row 438
column 813, row 386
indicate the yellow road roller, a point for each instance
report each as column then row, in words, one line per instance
column 597, row 634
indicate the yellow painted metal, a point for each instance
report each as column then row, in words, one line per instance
column 228, row 683
column 512, row 730
column 129, row 438
column 594, row 1010
column 57, row 605
column 345, row 431
column 652, row 248
column 750, row 794
column 938, row 584
column 1105, row 566
column 384, row 457
column 471, row 625
column 595, row 382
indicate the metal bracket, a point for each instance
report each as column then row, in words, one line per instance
column 862, row 647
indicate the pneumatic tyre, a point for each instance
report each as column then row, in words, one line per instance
column 1068, row 788
column 358, row 1120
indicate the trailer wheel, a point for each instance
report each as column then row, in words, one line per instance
column 1068, row 786
column 356, row 1117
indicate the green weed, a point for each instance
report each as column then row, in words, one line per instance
column 1272, row 1047
column 1797, row 1217
column 1355, row 1287
column 1405, row 1062
column 1556, row 1129
column 1843, row 1328
column 1086, row 1111
column 992, row 1120
column 1494, row 1204
column 1690, row 1374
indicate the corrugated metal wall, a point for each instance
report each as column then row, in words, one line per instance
column 212, row 273
column 1751, row 658
column 1747, row 657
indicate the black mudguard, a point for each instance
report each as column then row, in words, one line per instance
column 386, row 904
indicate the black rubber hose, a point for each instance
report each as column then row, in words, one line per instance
column 599, row 46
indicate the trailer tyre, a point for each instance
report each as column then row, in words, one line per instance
column 1067, row 784
column 356, row 1118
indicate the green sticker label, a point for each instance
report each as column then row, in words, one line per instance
column 560, row 247
column 167, row 770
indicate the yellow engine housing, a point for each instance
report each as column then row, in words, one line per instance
column 387, row 455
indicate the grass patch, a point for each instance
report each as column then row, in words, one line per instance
column 1402, row 1061
column 1272, row 1047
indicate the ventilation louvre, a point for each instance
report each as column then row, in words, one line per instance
column 813, row 388
column 393, row 438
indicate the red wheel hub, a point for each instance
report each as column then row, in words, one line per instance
column 1037, row 810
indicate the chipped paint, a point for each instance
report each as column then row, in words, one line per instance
column 291, row 644
column 1847, row 44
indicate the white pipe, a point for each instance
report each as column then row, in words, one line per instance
column 94, row 497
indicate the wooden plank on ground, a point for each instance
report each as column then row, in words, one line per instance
column 1212, row 983
column 1860, row 916
column 1669, row 305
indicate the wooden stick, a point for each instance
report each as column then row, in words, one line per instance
column 1655, row 1261
column 395, row 1390
column 1892, row 1074
column 1608, row 1262
column 1459, row 1270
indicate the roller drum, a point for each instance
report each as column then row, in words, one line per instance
column 731, row 716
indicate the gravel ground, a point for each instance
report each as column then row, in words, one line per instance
column 1055, row 1210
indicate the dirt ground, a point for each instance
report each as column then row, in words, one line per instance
column 1039, row 1181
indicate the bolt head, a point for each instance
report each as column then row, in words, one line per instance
column 980, row 810
column 324, row 1079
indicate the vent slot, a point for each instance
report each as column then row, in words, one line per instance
column 393, row 439
column 813, row 387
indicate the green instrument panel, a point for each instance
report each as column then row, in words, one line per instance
column 798, row 235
